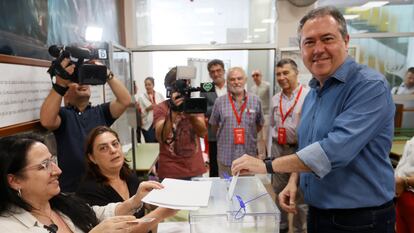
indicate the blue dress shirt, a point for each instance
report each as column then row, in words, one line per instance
column 345, row 137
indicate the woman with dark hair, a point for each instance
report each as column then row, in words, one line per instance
column 147, row 101
column 31, row 200
column 108, row 177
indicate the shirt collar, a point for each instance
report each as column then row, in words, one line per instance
column 294, row 92
column 25, row 217
column 341, row 74
column 77, row 109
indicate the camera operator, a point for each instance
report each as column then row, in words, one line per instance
column 70, row 124
column 179, row 135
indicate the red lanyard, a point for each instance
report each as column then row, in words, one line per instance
column 291, row 108
column 238, row 117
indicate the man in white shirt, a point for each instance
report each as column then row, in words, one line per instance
column 406, row 87
column 216, row 71
column 285, row 116
column 261, row 88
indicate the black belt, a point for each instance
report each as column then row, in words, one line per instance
column 351, row 211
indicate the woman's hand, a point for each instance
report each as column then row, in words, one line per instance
column 399, row 186
column 131, row 205
column 116, row 224
column 145, row 187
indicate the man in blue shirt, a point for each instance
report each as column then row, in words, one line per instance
column 71, row 124
column 345, row 136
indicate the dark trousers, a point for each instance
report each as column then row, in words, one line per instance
column 149, row 135
column 380, row 219
column 212, row 154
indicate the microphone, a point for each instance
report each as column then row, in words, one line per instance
column 52, row 228
column 55, row 51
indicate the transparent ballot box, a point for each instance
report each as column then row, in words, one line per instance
column 250, row 210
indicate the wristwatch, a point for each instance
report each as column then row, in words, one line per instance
column 269, row 167
column 110, row 76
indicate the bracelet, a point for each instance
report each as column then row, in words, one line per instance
column 59, row 89
column 110, row 76
column 136, row 210
column 269, row 167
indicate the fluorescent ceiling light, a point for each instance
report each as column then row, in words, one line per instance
column 204, row 10
column 370, row 5
column 93, row 33
column 350, row 17
column 259, row 29
column 268, row 21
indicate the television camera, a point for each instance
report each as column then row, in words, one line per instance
column 84, row 72
column 183, row 87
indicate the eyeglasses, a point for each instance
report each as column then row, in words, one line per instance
column 44, row 165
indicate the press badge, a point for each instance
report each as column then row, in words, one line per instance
column 238, row 134
column 281, row 136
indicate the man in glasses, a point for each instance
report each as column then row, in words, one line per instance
column 261, row 88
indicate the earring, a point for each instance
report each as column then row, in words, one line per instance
column 19, row 193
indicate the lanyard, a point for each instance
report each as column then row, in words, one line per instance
column 291, row 108
column 238, row 117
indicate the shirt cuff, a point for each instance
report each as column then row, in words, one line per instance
column 316, row 159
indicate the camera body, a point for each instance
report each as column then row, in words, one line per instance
column 183, row 87
column 84, row 72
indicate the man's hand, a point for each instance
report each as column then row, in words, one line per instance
column 248, row 165
column 69, row 68
column 288, row 196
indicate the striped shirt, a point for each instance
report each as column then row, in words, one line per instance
column 222, row 116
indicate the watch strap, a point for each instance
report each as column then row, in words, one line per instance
column 59, row 89
column 269, row 167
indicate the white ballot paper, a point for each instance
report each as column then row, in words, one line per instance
column 180, row 194
column 232, row 186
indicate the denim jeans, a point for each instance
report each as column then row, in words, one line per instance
column 149, row 134
column 379, row 219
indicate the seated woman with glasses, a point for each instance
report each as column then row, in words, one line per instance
column 108, row 177
column 31, row 200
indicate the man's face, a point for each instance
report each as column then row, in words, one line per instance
column 236, row 82
column 323, row 47
column 216, row 73
column 287, row 78
column 257, row 77
column 79, row 91
column 409, row 79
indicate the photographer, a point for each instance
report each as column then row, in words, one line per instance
column 71, row 124
column 179, row 136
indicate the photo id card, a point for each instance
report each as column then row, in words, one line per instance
column 281, row 136
column 238, row 134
